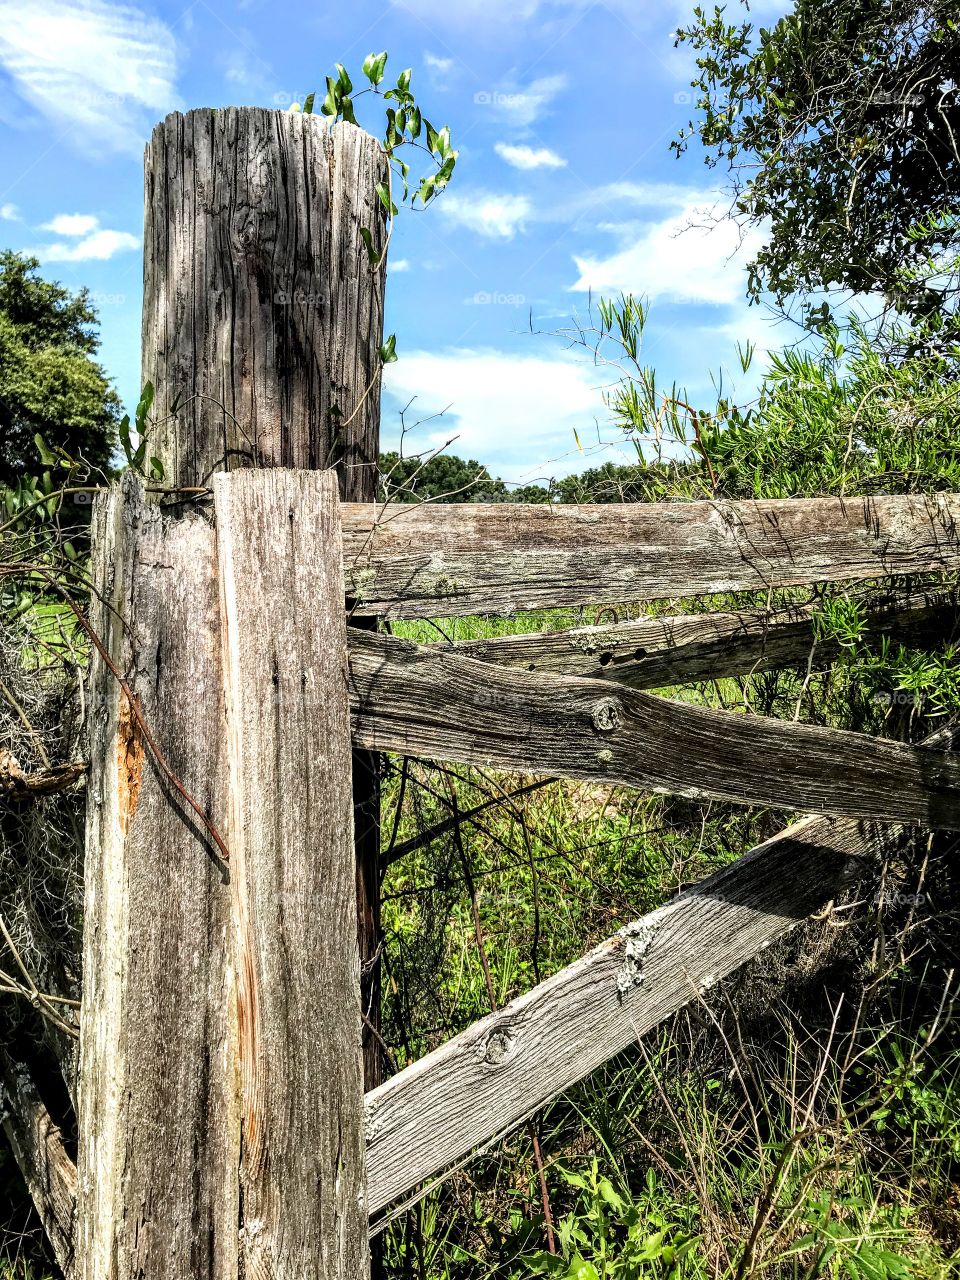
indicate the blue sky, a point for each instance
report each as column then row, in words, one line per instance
column 562, row 111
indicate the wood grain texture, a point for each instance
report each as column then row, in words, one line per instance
column 421, row 701
column 431, row 560
column 159, row 1139
column 262, row 322
column 652, row 653
column 504, row 1067
column 303, row 1209
column 38, row 1148
column 261, row 317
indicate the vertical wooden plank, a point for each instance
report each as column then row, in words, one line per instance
column 158, row 1149
column 303, row 1211
column 262, row 322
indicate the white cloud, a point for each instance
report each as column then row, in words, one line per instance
column 496, row 217
column 71, row 224
column 91, row 67
column 435, row 63
column 688, row 256
column 512, row 412
column 94, row 243
column 10, row 213
column 401, row 265
column 522, row 104
column 529, row 157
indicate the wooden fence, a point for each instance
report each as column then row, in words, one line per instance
column 224, row 1125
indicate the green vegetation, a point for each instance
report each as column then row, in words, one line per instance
column 838, row 127
column 50, row 382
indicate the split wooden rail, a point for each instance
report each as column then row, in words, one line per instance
column 224, row 1129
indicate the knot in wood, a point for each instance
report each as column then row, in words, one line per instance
column 606, row 715
column 499, row 1046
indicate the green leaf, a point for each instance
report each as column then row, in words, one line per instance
column 388, row 352
column 331, row 103
column 580, row 1269
column 46, row 457
column 383, row 191
column 367, row 238
column 403, row 80
column 308, row 104
column 344, row 83
column 373, row 67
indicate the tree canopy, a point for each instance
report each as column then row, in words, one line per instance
column 50, row 382
column 841, row 127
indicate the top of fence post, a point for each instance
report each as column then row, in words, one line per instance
column 262, row 316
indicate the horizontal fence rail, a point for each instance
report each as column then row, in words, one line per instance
column 654, row 652
column 420, row 700
column 432, row 560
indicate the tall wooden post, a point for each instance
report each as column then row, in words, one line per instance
column 262, row 323
column 221, row 1087
column 220, row 1107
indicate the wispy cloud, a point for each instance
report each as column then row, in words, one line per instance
column 10, row 213
column 692, row 255
column 494, row 216
column 521, row 157
column 522, row 104
column 436, row 63
column 401, row 265
column 86, row 240
column 90, row 67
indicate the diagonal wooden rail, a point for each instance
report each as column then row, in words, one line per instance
column 491, row 1076
column 433, row 560
column 423, row 701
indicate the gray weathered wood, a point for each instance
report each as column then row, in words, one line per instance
column 431, row 560
column 159, row 1138
column 292, row 871
column 262, row 322
column 654, row 652
column 504, row 1067
column 262, row 318
column 424, row 701
column 37, row 1145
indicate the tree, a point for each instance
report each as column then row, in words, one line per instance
column 840, row 126
column 50, row 382
column 444, row 476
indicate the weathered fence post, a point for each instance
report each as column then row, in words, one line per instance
column 303, row 1190
column 221, row 1087
column 262, row 323
column 220, row 1107
column 158, row 1194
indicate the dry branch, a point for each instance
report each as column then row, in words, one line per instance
column 37, row 1144
column 17, row 785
